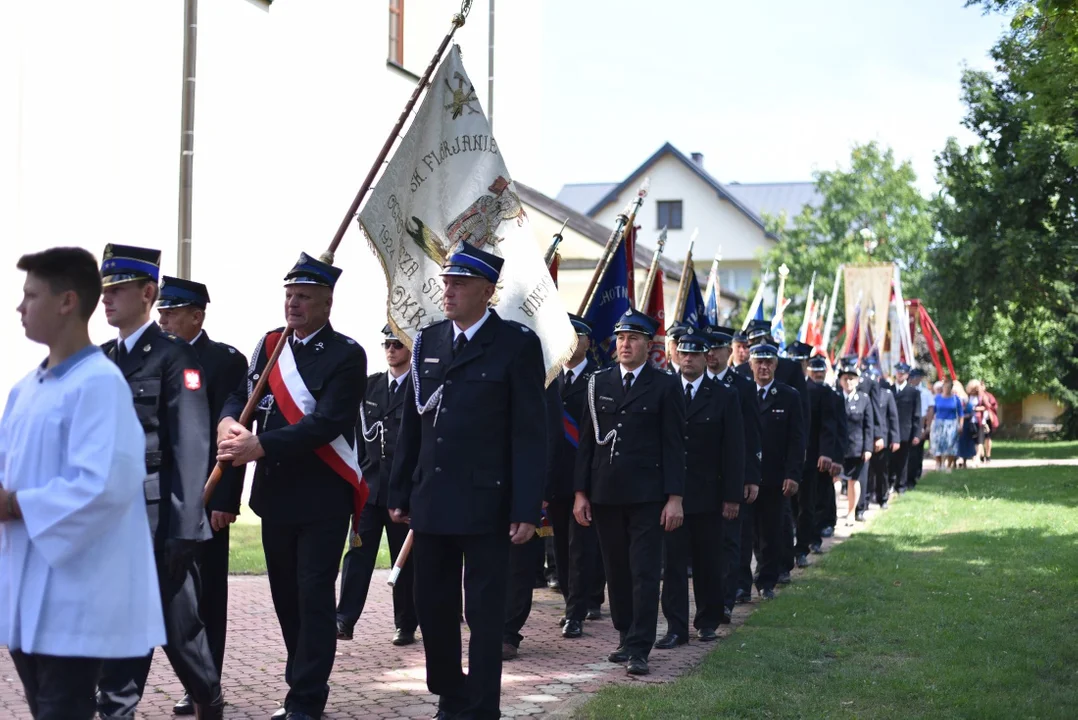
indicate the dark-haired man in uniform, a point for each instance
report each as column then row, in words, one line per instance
column 169, row 391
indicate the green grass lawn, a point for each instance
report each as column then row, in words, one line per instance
column 1034, row 450
column 245, row 555
column 961, row 601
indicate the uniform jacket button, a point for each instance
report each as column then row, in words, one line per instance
column 437, row 469
column 439, row 440
column 448, row 382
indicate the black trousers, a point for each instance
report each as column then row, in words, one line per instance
column 302, row 561
column 484, row 559
column 915, row 464
column 808, row 507
column 879, row 479
column 213, row 593
column 770, row 511
column 518, row 597
column 187, row 647
column 631, row 540
column 826, row 510
column 900, row 467
column 731, row 555
column 358, row 568
column 58, row 688
column 697, row 543
column 579, row 561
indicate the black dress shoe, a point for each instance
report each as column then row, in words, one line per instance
column 509, row 651
column 803, row 561
column 553, row 584
column 727, row 615
column 562, row 621
column 213, row 711
column 827, row 532
column 299, row 715
column 621, row 655
column 595, row 614
column 572, row 629
column 742, row 597
column 184, row 706
column 707, row 635
column 859, row 516
column 767, row 594
column 403, row 637
column 883, row 505
column 281, row 714
column 816, row 548
column 637, row 666
column 344, row 631
column 783, row 579
column 669, row 641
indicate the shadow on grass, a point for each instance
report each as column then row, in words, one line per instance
column 917, row 622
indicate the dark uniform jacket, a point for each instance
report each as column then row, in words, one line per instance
column 292, row 484
column 908, row 401
column 782, row 435
column 871, row 388
column 647, row 462
column 859, row 432
column 750, row 417
column 838, row 406
column 714, row 448
column 788, row 372
column 224, row 368
column 376, row 454
column 574, row 398
column 823, row 438
column 890, row 414
column 476, row 462
column 169, row 392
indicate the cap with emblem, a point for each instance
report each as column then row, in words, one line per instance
column 719, row 336
column 917, row 373
column 127, row 263
column 678, row 329
column 799, row 351
column 635, row 321
column 759, row 329
column 580, row 325
column 764, row 351
column 741, row 337
column 308, row 271
column 470, row 261
column 177, row 293
column 818, row 364
column 387, row 331
column 901, row 367
column 848, row 366
column 693, row 342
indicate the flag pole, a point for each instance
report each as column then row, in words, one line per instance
column 612, row 246
column 327, row 257
column 552, row 251
column 653, row 271
column 831, row 309
column 683, row 284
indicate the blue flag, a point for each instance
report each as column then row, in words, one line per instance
column 611, row 302
column 759, row 312
column 695, row 313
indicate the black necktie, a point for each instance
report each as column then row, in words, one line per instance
column 628, row 383
column 396, row 386
column 688, row 394
column 121, row 351
column 459, row 344
column 763, row 394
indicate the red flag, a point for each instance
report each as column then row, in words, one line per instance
column 554, row 268
column 630, row 262
column 656, row 310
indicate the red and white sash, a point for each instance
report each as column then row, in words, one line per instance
column 294, row 401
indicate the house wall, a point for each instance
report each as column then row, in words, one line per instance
column 719, row 221
column 1040, row 409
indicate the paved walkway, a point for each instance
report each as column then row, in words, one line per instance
column 373, row 679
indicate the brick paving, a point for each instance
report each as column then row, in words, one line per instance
column 373, row 679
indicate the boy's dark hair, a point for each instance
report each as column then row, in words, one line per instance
column 67, row 268
column 156, row 289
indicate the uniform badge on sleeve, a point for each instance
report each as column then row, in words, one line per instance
column 192, row 379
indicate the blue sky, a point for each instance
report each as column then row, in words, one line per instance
column 768, row 90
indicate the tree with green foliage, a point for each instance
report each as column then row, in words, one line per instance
column 1004, row 276
column 875, row 200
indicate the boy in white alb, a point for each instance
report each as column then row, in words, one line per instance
column 78, row 582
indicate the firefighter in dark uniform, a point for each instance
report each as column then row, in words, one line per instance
column 379, row 423
column 721, row 340
column 714, row 484
column 630, row 478
column 782, row 437
column 824, row 449
column 825, row 495
column 182, row 310
column 788, row 372
column 908, row 403
column 468, row 473
column 169, row 391
column 859, row 434
column 579, row 562
column 307, row 472
column 869, row 387
column 880, row 465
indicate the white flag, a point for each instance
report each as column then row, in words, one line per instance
column 447, row 184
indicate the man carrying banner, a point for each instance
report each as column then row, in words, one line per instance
column 630, row 477
column 468, row 475
column 307, row 479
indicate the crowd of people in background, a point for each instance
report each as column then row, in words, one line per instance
column 960, row 422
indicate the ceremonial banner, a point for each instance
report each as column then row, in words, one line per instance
column 656, row 310
column 447, row 184
column 712, row 293
column 868, row 287
column 695, row 313
column 611, row 302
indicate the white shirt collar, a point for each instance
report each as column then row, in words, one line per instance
column 470, row 332
column 765, row 388
column 131, row 339
column 195, row 339
column 900, row 387
column 306, row 340
column 635, row 373
column 576, row 370
column 695, row 384
column 394, row 380
column 722, row 375
column 677, row 368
